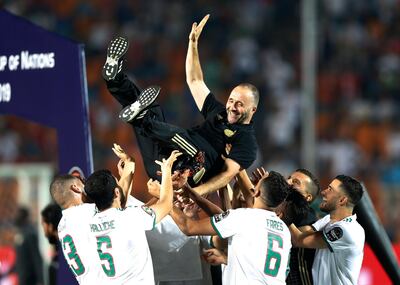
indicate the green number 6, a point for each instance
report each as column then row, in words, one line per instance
column 110, row 269
column 79, row 269
column 271, row 268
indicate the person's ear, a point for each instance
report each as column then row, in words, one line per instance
column 116, row 192
column 76, row 189
column 343, row 201
column 308, row 197
column 257, row 192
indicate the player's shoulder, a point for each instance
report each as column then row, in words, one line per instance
column 352, row 227
column 347, row 229
column 82, row 211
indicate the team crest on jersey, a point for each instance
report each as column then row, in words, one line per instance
column 220, row 217
column 148, row 210
column 229, row 133
column 334, row 234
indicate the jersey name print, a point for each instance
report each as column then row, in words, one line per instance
column 121, row 245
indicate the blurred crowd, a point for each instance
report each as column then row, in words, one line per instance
column 256, row 41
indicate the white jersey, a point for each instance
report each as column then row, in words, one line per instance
column 340, row 263
column 176, row 257
column 75, row 239
column 122, row 245
column 258, row 246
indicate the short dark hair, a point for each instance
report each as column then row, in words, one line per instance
column 314, row 188
column 352, row 188
column 294, row 208
column 253, row 90
column 274, row 189
column 59, row 189
column 51, row 214
column 99, row 187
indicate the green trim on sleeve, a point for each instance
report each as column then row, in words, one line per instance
column 325, row 239
column 154, row 220
column 215, row 228
column 211, row 242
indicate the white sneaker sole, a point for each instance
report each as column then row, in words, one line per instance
column 116, row 49
column 146, row 98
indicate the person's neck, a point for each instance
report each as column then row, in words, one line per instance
column 259, row 204
column 116, row 204
column 340, row 213
column 73, row 204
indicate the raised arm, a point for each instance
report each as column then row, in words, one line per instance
column 194, row 74
column 209, row 207
column 126, row 168
column 221, row 179
column 192, row 227
column 164, row 204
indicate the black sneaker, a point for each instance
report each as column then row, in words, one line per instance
column 146, row 98
column 115, row 51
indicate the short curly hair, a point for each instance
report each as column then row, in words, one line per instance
column 274, row 189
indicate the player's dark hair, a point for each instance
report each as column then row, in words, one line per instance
column 351, row 187
column 99, row 187
column 294, row 208
column 51, row 214
column 274, row 189
column 253, row 90
column 314, row 187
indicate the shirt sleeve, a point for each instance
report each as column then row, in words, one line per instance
column 243, row 150
column 318, row 225
column 144, row 214
column 211, row 106
column 227, row 224
column 338, row 237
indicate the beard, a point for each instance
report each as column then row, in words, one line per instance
column 242, row 118
column 325, row 207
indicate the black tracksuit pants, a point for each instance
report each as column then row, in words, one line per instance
column 156, row 138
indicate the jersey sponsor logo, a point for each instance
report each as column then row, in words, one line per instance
column 334, row 234
column 220, row 217
column 148, row 210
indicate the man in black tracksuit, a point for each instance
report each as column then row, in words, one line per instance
column 301, row 259
column 227, row 130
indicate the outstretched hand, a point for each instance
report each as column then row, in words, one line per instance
column 196, row 29
column 153, row 187
column 166, row 164
column 118, row 150
column 258, row 174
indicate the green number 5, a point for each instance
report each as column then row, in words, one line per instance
column 79, row 269
column 273, row 261
column 110, row 269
